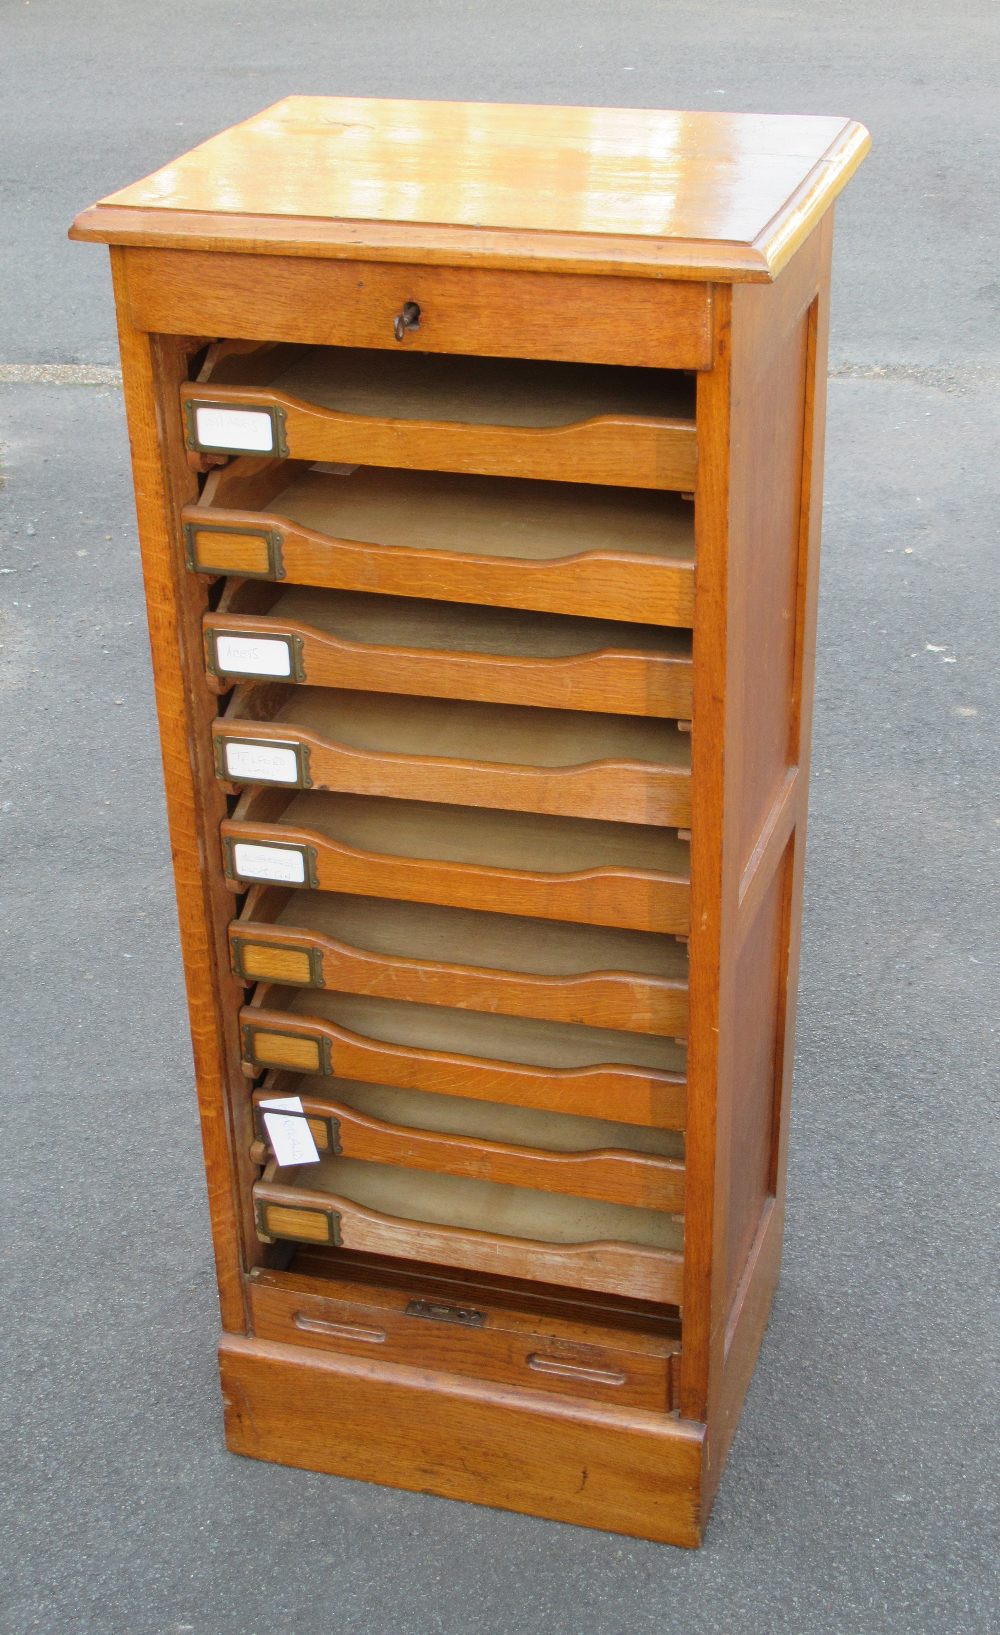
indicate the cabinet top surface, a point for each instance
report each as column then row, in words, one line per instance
column 717, row 195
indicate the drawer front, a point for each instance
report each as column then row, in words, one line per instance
column 307, row 1044
column 293, row 1213
column 607, row 1174
column 620, row 450
column 636, row 899
column 566, row 318
column 598, row 584
column 251, row 752
column 239, row 647
column 479, row 1340
column 616, row 999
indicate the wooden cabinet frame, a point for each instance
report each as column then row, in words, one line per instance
column 758, row 342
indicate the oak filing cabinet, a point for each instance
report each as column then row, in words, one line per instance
column 477, row 453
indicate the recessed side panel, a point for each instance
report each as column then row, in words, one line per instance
column 757, row 1047
column 764, row 576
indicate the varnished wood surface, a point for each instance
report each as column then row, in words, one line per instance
column 476, row 1225
column 720, row 195
column 622, row 1470
column 592, row 1158
column 584, row 423
column 175, row 601
column 572, row 869
column 638, row 321
column 450, row 650
column 511, row 1341
column 557, row 762
column 472, row 391
column 559, row 1067
column 557, row 547
column 477, row 961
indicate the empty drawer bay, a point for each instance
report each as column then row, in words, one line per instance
column 615, row 874
column 392, row 644
column 451, row 956
column 518, row 1146
column 477, row 1225
column 560, row 1067
column 558, row 547
column 593, row 423
column 562, row 762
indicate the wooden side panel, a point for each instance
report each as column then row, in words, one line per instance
column 176, row 601
column 757, row 536
column 755, row 1045
column 766, row 479
column 626, row 1471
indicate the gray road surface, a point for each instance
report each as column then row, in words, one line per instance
column 861, row 1492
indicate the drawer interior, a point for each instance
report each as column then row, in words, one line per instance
column 471, row 834
column 483, row 1206
column 475, row 391
column 401, row 621
column 481, row 1120
column 519, row 518
column 473, row 1033
column 504, row 734
column 425, row 931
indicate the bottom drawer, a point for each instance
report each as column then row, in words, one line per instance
column 474, row 1225
column 428, row 1321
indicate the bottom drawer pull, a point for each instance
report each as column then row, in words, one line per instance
column 574, row 1371
column 339, row 1331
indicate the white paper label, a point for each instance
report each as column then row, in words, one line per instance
column 247, row 429
column 253, row 655
column 262, row 763
column 288, row 1132
column 269, row 863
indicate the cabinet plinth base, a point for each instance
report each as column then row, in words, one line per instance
column 624, row 1471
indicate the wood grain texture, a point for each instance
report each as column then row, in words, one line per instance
column 625, row 451
column 561, row 763
column 626, row 1471
column 640, row 322
column 555, row 547
column 442, row 650
column 679, row 195
column 558, row 869
column 524, row 967
column 553, row 1066
column 474, row 1225
column 584, row 1158
column 508, row 1341
column 749, row 800
column 175, row 602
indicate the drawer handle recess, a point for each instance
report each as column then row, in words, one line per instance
column 574, row 1371
column 338, row 1331
column 409, row 318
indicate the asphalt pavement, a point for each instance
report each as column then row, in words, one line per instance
column 861, row 1492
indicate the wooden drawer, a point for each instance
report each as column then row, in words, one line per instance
column 614, row 874
column 562, row 762
column 616, row 553
column 556, row 1066
column 474, row 1225
column 625, row 980
column 436, row 1322
column 494, row 1141
column 570, row 422
column 652, row 322
column 329, row 638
